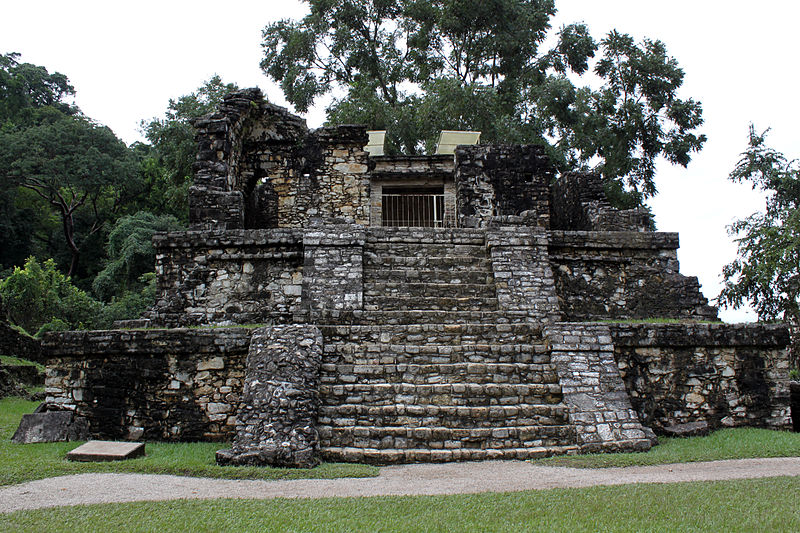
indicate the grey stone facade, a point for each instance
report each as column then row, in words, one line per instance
column 484, row 337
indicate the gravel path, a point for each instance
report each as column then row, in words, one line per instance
column 447, row 478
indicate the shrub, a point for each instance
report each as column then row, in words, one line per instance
column 39, row 294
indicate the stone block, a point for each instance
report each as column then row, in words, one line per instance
column 51, row 426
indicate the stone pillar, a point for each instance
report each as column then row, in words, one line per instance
column 333, row 273
column 342, row 181
column 523, row 278
column 277, row 416
column 592, row 388
column 499, row 180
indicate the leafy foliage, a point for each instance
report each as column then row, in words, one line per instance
column 74, row 165
column 131, row 303
column 414, row 67
column 39, row 295
column 166, row 164
column 767, row 271
column 26, row 92
column 25, row 87
column 130, row 251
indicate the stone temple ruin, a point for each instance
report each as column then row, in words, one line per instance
column 325, row 304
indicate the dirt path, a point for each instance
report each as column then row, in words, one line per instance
column 448, row 478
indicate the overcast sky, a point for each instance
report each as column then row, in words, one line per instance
column 126, row 60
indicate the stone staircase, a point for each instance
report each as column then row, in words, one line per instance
column 432, row 370
column 424, row 273
column 439, row 392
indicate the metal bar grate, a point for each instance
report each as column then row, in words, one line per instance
column 415, row 210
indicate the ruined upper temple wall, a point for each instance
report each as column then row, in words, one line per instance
column 258, row 166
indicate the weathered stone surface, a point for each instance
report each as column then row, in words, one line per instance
column 332, row 268
column 623, row 275
column 276, row 420
column 723, row 374
column 691, row 429
column 179, row 384
column 433, row 346
column 228, row 277
column 522, row 272
column 578, row 203
column 99, row 451
column 51, row 426
column 600, row 408
column 502, row 180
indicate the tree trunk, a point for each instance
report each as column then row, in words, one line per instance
column 69, row 234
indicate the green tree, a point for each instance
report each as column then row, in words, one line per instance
column 25, row 91
column 414, row 67
column 166, row 164
column 38, row 294
column 25, row 88
column 767, row 271
column 78, row 168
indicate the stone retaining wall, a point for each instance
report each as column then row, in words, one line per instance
column 726, row 375
column 625, row 274
column 179, row 384
column 228, row 277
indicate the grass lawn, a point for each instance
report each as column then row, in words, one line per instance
column 739, row 443
column 26, row 462
column 742, row 505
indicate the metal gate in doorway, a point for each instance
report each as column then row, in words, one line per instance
column 412, row 207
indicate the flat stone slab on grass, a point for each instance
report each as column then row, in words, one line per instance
column 101, row 450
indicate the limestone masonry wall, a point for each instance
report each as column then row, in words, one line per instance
column 228, row 277
column 333, row 280
column 258, row 166
column 498, row 180
column 177, row 384
column 600, row 408
column 603, row 275
column 523, row 277
column 726, row 375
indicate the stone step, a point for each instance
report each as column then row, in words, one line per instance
column 431, row 332
column 394, row 289
column 424, row 261
column 471, row 352
column 428, row 455
column 437, row 437
column 379, row 235
column 481, row 373
column 457, row 394
column 450, row 416
column 431, row 317
column 429, row 303
column 438, row 249
column 415, row 275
